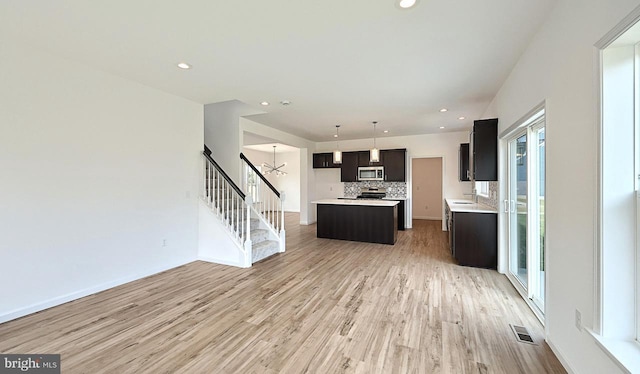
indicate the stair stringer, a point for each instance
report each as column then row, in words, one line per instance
column 216, row 243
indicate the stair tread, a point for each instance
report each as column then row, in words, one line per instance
column 265, row 243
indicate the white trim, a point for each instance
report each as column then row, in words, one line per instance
column 560, row 356
column 62, row 299
column 524, row 121
column 534, row 120
column 429, row 218
column 598, row 209
column 408, row 208
column 213, row 260
column 625, row 354
column 619, row 29
column 515, row 282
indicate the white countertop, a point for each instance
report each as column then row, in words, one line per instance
column 356, row 202
column 462, row 205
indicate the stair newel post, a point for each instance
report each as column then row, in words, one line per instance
column 282, row 232
column 247, row 241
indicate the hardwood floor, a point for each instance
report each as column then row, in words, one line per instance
column 324, row 306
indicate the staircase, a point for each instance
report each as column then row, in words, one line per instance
column 254, row 220
column 261, row 246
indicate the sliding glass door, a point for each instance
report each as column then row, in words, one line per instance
column 518, row 208
column 525, row 207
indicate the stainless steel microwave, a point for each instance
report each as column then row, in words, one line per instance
column 371, row 173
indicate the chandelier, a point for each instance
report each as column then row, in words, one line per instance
column 273, row 168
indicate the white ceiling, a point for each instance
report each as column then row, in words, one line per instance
column 347, row 62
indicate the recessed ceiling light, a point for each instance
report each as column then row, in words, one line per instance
column 406, row 3
column 386, row 131
column 335, row 135
column 441, row 127
column 264, row 103
column 461, row 118
column 443, row 110
column 184, row 65
column 285, row 102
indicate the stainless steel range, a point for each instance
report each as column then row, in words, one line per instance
column 372, row 193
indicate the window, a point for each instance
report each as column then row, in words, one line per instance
column 482, row 189
column 617, row 321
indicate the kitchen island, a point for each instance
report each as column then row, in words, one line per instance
column 371, row 221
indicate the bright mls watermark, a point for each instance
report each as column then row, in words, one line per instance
column 40, row 364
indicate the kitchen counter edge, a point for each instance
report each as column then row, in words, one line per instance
column 470, row 208
column 356, row 202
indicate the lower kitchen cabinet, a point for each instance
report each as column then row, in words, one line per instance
column 474, row 239
column 401, row 215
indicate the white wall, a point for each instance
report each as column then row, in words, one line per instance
column 443, row 145
column 289, row 183
column 96, row 172
column 558, row 67
column 221, row 122
column 215, row 243
column 328, row 185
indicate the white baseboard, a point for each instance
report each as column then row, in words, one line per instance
column 59, row 300
column 428, row 218
column 237, row 264
column 560, row 357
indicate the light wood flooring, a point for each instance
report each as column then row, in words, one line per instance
column 324, row 306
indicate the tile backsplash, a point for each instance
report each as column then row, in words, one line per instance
column 396, row 190
column 492, row 200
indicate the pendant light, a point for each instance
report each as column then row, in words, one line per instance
column 374, row 153
column 337, row 155
column 273, row 168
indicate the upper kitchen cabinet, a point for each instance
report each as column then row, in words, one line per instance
column 394, row 162
column 364, row 157
column 485, row 150
column 349, row 167
column 323, row 161
column 463, row 163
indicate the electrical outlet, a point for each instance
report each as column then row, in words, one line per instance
column 164, row 242
column 578, row 320
column 330, row 188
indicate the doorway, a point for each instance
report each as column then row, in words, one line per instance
column 426, row 193
column 525, row 209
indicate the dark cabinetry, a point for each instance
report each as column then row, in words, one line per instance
column 400, row 213
column 324, row 160
column 349, row 167
column 372, row 224
column 364, row 157
column 485, row 150
column 474, row 239
column 463, row 163
column 394, row 161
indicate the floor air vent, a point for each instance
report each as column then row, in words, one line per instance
column 522, row 335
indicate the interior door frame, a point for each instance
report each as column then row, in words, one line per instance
column 409, row 203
